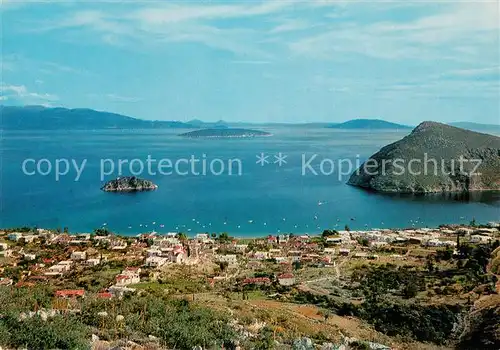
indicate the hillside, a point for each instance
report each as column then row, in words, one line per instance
column 225, row 133
column 444, row 143
column 41, row 118
column 368, row 124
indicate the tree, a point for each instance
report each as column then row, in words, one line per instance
column 224, row 237
column 223, row 265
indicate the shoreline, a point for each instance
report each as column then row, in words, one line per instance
column 262, row 235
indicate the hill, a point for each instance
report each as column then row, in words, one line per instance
column 486, row 128
column 225, row 133
column 201, row 124
column 427, row 161
column 41, row 118
column 368, row 124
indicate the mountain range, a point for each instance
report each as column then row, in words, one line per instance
column 368, row 124
column 43, row 118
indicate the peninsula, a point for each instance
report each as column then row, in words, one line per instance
column 434, row 158
column 225, row 133
column 128, row 184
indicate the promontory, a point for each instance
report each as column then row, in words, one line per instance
column 433, row 158
column 128, row 184
column 225, row 133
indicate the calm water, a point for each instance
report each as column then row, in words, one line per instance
column 274, row 197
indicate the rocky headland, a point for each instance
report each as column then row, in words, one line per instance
column 433, row 158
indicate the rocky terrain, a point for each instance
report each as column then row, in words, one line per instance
column 434, row 158
column 129, row 184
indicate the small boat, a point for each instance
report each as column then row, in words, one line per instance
column 250, row 221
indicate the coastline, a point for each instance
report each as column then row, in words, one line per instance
column 263, row 235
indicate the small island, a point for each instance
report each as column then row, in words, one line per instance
column 225, row 133
column 129, row 184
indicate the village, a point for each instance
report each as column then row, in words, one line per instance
column 41, row 256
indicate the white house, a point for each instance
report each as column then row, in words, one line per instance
column 231, row 259
column 155, row 261
column 78, row 256
column 480, row 239
column 126, row 279
column 286, row 279
column 29, row 257
column 93, row 262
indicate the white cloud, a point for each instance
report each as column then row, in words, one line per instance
column 456, row 31
column 21, row 94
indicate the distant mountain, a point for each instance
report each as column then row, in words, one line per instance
column 225, row 133
column 487, row 128
column 41, row 118
column 428, row 161
column 368, row 124
column 201, row 124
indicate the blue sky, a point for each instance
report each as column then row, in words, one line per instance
column 279, row 61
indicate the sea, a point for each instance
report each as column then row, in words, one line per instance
column 291, row 182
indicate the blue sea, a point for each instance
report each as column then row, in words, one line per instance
column 256, row 199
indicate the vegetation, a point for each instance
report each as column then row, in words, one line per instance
column 176, row 323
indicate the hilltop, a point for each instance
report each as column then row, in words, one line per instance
column 444, row 143
column 225, row 133
column 42, row 118
column 368, row 124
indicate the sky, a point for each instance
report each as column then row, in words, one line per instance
column 256, row 61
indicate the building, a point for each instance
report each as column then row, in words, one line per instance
column 271, row 239
column 156, row 261
column 179, row 255
column 126, row 279
column 333, row 240
column 283, row 239
column 344, row 252
column 93, row 262
column 231, row 259
column 29, row 257
column 78, row 256
column 286, row 279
